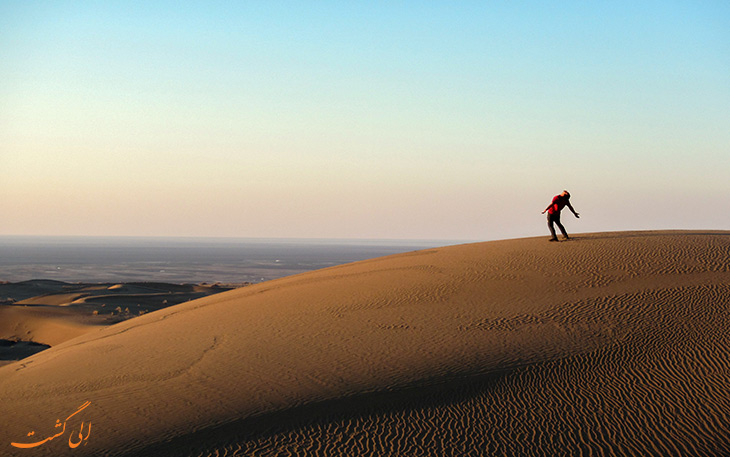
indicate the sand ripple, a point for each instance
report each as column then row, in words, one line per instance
column 659, row 389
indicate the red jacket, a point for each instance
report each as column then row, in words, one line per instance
column 559, row 203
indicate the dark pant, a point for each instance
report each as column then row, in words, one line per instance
column 555, row 219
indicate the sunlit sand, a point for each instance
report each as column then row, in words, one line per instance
column 613, row 343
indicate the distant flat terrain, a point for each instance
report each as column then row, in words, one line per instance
column 182, row 260
column 611, row 344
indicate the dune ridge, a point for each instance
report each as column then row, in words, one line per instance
column 613, row 344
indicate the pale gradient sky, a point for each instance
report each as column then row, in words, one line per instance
column 445, row 120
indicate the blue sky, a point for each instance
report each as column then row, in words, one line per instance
column 448, row 120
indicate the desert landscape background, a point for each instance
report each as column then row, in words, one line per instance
column 610, row 344
column 38, row 314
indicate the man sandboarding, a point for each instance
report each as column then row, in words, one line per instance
column 553, row 210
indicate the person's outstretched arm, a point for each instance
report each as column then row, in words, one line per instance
column 571, row 208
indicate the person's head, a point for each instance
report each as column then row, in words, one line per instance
column 565, row 194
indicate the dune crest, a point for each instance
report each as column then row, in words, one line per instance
column 612, row 343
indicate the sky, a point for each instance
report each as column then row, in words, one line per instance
column 331, row 119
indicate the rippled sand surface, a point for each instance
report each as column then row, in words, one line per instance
column 612, row 344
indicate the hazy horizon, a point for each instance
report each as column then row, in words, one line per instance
column 334, row 120
column 181, row 260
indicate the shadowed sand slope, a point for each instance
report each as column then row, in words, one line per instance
column 614, row 343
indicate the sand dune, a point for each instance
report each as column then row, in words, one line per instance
column 612, row 344
column 40, row 325
column 51, row 312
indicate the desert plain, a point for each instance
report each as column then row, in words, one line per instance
column 610, row 344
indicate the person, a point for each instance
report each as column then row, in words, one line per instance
column 559, row 202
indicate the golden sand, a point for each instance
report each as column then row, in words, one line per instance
column 611, row 344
